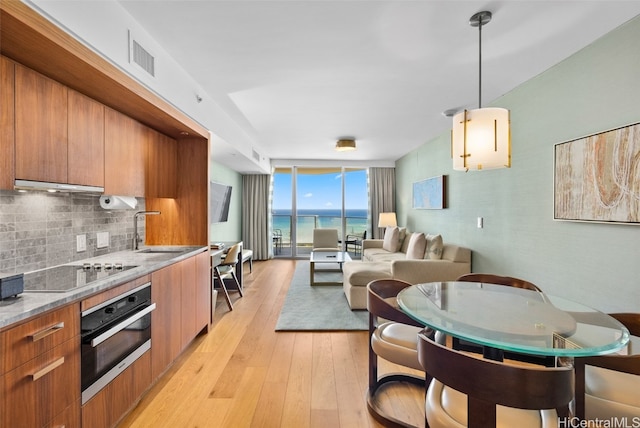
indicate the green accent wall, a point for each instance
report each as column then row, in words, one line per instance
column 230, row 230
column 594, row 90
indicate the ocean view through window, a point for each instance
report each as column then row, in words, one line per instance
column 356, row 222
column 307, row 198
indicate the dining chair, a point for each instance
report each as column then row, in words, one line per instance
column 607, row 386
column 393, row 336
column 227, row 270
column 489, row 278
column 325, row 239
column 508, row 281
column 475, row 392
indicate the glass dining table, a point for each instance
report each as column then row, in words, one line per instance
column 513, row 319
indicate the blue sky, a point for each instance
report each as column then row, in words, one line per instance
column 321, row 191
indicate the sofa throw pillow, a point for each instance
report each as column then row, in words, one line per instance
column 417, row 246
column 390, row 242
column 403, row 239
column 435, row 246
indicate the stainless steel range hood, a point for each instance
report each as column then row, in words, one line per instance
column 57, row 187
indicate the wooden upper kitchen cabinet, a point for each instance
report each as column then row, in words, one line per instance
column 59, row 133
column 125, row 155
column 162, row 166
column 86, row 140
column 40, row 127
column 7, row 118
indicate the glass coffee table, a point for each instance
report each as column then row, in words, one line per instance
column 324, row 257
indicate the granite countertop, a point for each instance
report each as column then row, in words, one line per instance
column 28, row 304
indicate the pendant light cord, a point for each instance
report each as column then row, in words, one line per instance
column 480, row 64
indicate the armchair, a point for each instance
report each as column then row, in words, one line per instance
column 325, row 240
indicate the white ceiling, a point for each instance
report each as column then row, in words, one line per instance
column 298, row 75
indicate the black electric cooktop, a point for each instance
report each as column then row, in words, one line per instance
column 66, row 278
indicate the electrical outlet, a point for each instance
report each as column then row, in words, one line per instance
column 81, row 243
column 102, row 240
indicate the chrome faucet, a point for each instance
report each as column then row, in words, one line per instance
column 136, row 237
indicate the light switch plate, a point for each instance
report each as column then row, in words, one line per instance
column 102, row 240
column 81, row 243
column 480, row 222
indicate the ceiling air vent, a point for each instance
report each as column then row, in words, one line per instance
column 140, row 56
column 256, row 155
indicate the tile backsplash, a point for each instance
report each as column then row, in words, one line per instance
column 38, row 229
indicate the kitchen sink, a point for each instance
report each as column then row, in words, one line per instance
column 159, row 251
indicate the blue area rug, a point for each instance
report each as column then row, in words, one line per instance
column 318, row 308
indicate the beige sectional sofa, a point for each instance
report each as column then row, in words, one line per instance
column 437, row 262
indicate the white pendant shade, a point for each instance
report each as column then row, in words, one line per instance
column 480, row 139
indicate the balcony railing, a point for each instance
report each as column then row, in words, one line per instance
column 305, row 226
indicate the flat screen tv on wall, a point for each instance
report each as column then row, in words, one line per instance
column 219, row 201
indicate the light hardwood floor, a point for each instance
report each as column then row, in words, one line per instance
column 244, row 374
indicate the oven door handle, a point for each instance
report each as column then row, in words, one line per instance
column 121, row 325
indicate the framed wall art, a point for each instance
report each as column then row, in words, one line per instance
column 430, row 194
column 597, row 178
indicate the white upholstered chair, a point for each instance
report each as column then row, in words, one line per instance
column 325, row 240
column 393, row 336
column 608, row 386
column 470, row 391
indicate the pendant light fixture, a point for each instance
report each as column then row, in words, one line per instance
column 480, row 138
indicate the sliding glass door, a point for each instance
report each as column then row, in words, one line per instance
column 305, row 198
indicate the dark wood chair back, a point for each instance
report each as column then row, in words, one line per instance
column 508, row 281
column 489, row 278
column 489, row 383
column 381, row 301
column 622, row 363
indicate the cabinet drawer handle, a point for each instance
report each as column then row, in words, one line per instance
column 57, row 363
column 46, row 332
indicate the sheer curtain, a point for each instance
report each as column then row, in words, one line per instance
column 382, row 195
column 255, row 215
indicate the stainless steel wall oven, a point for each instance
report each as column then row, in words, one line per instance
column 114, row 334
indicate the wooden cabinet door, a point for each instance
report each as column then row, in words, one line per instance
column 162, row 166
column 69, row 418
column 7, row 117
column 109, row 405
column 125, row 154
column 85, row 140
column 41, row 388
column 166, row 330
column 189, row 288
column 203, row 290
column 40, row 127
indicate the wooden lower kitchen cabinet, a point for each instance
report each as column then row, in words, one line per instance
column 166, row 332
column 69, row 418
column 41, row 381
column 44, row 389
column 112, row 403
column 203, row 291
column 182, row 296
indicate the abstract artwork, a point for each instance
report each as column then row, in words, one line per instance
column 430, row 193
column 597, row 178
